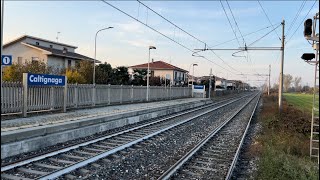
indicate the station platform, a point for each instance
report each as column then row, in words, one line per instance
column 22, row 135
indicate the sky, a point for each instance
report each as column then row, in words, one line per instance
column 127, row 43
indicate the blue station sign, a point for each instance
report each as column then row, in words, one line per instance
column 46, row 80
column 6, row 60
column 198, row 87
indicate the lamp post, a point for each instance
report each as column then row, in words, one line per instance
column 150, row 47
column 189, row 71
column 95, row 54
column 193, row 72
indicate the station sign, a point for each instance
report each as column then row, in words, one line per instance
column 6, row 60
column 46, row 80
column 198, row 86
column 198, row 89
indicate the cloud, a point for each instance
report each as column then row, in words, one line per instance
column 139, row 42
column 131, row 27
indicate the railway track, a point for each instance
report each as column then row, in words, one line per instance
column 216, row 155
column 57, row 163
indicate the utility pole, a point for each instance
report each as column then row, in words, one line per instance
column 2, row 18
column 210, row 83
column 269, row 80
column 281, row 68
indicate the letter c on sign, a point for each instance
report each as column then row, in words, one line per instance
column 30, row 78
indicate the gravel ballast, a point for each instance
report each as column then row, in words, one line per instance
column 150, row 159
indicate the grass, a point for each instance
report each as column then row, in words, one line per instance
column 284, row 140
column 300, row 101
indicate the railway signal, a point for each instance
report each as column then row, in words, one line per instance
column 307, row 28
column 308, row 56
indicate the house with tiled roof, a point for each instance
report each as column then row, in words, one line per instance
column 54, row 54
column 177, row 76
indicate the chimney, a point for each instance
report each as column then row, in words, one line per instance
column 152, row 60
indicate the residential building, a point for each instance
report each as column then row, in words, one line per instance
column 177, row 76
column 54, row 54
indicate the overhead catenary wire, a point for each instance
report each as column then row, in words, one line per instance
column 264, row 36
column 187, row 34
column 302, row 21
column 104, row 1
column 265, row 13
column 296, row 17
column 234, row 32
column 225, row 12
column 219, row 44
column 235, row 21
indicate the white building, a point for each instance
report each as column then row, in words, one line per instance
column 177, row 76
column 54, row 54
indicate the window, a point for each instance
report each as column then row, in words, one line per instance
column 34, row 59
column 175, row 75
column 69, row 63
column 19, row 60
column 37, row 43
column 51, row 46
column 77, row 63
column 65, row 49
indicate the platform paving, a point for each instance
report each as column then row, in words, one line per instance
column 77, row 115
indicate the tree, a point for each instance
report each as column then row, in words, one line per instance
column 15, row 72
column 275, row 87
column 119, row 76
column 306, row 88
column 156, row 81
column 103, row 72
column 85, row 68
column 287, row 80
column 139, row 77
column 74, row 77
column 297, row 81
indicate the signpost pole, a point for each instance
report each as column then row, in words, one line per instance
column 25, row 94
column 2, row 14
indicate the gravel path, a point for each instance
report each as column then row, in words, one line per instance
column 150, row 159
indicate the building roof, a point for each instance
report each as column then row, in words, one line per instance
column 67, row 54
column 32, row 37
column 159, row 65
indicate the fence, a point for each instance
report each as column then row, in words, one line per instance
column 41, row 98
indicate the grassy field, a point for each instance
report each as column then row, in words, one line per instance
column 300, row 101
column 284, row 141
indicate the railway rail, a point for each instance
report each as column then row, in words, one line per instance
column 216, row 155
column 65, row 160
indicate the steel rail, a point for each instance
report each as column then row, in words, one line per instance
column 85, row 162
column 236, row 156
column 173, row 169
column 66, row 149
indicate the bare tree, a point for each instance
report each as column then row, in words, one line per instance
column 287, row 80
column 297, row 82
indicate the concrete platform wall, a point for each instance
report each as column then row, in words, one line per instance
column 26, row 140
